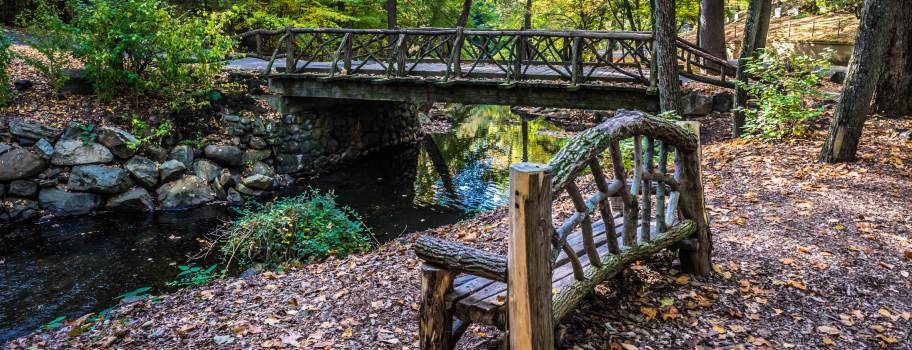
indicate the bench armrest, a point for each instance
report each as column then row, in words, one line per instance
column 461, row 258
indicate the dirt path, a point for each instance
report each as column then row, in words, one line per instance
column 806, row 256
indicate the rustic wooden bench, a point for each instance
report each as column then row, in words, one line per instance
column 548, row 268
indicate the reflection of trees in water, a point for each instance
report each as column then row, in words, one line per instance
column 475, row 156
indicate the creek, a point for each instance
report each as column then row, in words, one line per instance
column 73, row 266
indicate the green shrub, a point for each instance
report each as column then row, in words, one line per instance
column 304, row 228
column 191, row 276
column 778, row 104
column 5, row 58
column 144, row 46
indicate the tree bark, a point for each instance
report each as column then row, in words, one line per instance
column 755, row 32
column 712, row 29
column 865, row 69
column 391, row 14
column 893, row 96
column 527, row 17
column 464, row 16
column 666, row 57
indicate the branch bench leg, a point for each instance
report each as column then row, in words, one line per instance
column 435, row 329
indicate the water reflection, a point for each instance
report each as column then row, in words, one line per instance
column 468, row 167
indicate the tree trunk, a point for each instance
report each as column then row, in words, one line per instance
column 464, row 16
column 391, row 12
column 666, row 57
column 865, row 69
column 712, row 29
column 755, row 32
column 892, row 97
column 527, row 17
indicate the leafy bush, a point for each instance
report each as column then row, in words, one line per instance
column 781, row 92
column 146, row 134
column 138, row 46
column 5, row 57
column 307, row 227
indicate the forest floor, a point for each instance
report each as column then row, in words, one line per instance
column 806, row 255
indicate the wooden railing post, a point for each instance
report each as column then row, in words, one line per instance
column 289, row 51
column 519, row 53
column 436, row 322
column 575, row 61
column 402, row 53
column 259, row 44
column 529, row 318
column 347, row 54
column 695, row 257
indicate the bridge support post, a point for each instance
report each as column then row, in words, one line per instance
column 529, row 320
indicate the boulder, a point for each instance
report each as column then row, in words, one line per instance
column 189, row 191
column 224, row 155
column 156, row 153
column 23, row 188
column 45, row 148
column 23, row 84
column 2, row 189
column 19, row 163
column 225, row 178
column 118, row 140
column 248, row 191
column 260, row 168
column 258, row 182
column 4, row 147
column 183, row 154
column 33, row 130
column 63, row 203
column 218, row 190
column 75, row 152
column 206, row 170
column 77, row 82
column 696, row 103
column 723, row 102
column 234, row 197
column 144, row 171
column 137, row 199
column 256, row 155
column 171, row 170
column 99, row 179
column 837, row 77
column 18, row 209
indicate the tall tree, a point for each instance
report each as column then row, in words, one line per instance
column 756, row 30
column 893, row 96
column 527, row 16
column 712, row 27
column 391, row 12
column 865, row 69
column 666, row 56
column 464, row 15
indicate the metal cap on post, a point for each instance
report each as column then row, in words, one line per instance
column 529, row 269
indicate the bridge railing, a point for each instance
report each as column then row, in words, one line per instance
column 449, row 55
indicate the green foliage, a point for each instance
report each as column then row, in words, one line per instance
column 5, row 58
column 137, row 46
column 191, row 276
column 139, row 292
column 51, row 37
column 780, row 93
column 307, row 227
column 86, row 132
column 145, row 134
column 53, row 324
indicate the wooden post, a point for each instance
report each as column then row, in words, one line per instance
column 519, row 52
column 695, row 258
column 402, row 52
column 347, row 55
column 575, row 64
column 436, row 322
column 259, row 44
column 529, row 316
column 289, row 51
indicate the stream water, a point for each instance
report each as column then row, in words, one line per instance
column 72, row 266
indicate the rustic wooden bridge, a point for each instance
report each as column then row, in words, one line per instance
column 629, row 215
column 551, row 68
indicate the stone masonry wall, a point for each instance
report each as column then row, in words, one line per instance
column 321, row 137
